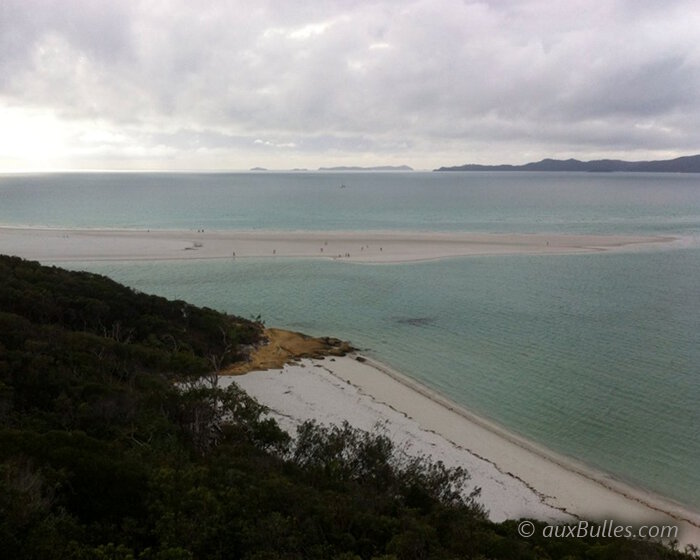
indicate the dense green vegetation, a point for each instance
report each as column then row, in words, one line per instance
column 117, row 443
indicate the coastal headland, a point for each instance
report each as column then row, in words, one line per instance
column 284, row 347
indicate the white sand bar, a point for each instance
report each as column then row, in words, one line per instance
column 55, row 245
column 518, row 478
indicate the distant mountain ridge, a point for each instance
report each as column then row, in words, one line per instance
column 377, row 168
column 685, row 164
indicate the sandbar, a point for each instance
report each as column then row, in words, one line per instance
column 60, row 244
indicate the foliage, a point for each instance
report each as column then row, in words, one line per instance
column 117, row 443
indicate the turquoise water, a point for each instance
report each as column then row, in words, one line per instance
column 595, row 356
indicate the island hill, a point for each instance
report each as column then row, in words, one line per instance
column 376, row 168
column 349, row 168
column 686, row 164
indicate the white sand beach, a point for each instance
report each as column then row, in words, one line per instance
column 517, row 478
column 56, row 245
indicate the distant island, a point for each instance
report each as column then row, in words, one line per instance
column 347, row 168
column 686, row 164
column 377, row 168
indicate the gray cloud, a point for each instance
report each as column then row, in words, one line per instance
column 425, row 82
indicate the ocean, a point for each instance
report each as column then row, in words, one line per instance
column 594, row 356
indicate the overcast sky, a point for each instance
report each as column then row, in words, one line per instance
column 170, row 84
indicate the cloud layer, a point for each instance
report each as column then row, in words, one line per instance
column 179, row 84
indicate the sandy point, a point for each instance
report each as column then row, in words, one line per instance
column 56, row 245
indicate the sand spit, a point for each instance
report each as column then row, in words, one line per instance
column 56, row 245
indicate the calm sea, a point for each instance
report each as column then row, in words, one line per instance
column 596, row 356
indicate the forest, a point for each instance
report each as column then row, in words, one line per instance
column 116, row 442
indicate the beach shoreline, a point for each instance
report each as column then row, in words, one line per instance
column 547, row 486
column 372, row 247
